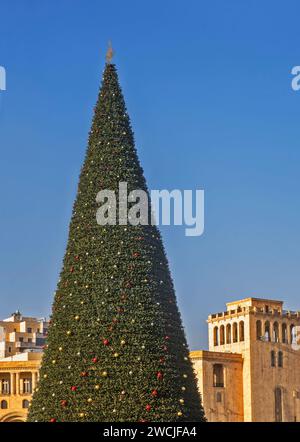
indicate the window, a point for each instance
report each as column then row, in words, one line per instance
column 25, row 403
column 21, row 339
column 30, row 340
column 216, row 336
column 293, row 337
column 280, row 359
column 27, row 386
column 218, row 375
column 9, row 349
column 29, row 330
column 219, row 397
column 242, row 331
column 234, row 332
column 267, row 331
column 222, row 335
column 284, row 333
column 258, row 330
column 278, row 404
column 5, row 386
column 273, row 359
column 3, row 405
column 275, row 332
column 228, row 334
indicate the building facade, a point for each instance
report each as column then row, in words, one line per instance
column 251, row 372
column 21, row 345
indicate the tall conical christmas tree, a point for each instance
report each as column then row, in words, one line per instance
column 116, row 349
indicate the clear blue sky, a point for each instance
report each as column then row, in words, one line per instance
column 207, row 85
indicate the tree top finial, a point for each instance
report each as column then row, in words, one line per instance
column 110, row 53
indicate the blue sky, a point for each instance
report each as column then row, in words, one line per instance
column 208, row 89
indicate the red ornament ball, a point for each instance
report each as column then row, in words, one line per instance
column 95, row 360
column 64, row 403
column 105, row 341
column 74, row 388
column 159, row 375
column 154, row 393
column 53, row 419
column 148, row 407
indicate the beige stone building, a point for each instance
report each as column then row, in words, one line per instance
column 21, row 345
column 252, row 369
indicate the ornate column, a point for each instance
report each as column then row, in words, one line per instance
column 12, row 383
column 34, row 379
column 17, row 383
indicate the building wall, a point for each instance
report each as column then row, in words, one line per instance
column 221, row 403
column 260, row 380
column 21, row 378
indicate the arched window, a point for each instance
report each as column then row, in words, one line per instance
column 284, row 333
column 242, row 331
column 267, row 331
column 273, row 359
column 228, row 334
column 278, row 404
column 234, row 332
column 25, row 403
column 3, row 405
column 258, row 330
column 280, row 359
column 216, row 336
column 222, row 335
column 275, row 332
column 293, row 338
column 218, row 375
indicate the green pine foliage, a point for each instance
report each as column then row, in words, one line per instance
column 116, row 349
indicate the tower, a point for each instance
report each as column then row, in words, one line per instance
column 266, row 337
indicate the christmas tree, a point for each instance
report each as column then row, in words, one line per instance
column 116, row 349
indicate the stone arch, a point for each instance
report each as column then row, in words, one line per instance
column 284, row 333
column 222, row 335
column 13, row 417
column 241, row 331
column 228, row 334
column 267, row 331
column 216, row 336
column 275, row 332
column 234, row 332
column 259, row 332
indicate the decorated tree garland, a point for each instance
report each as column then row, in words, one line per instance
column 116, row 349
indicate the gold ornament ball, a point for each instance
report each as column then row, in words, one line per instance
column 116, row 355
column 45, row 376
column 181, row 401
column 90, row 400
column 185, row 375
column 69, row 332
column 60, row 349
column 179, row 413
column 123, row 342
column 104, row 374
column 97, row 387
column 77, row 317
column 54, row 361
column 81, row 414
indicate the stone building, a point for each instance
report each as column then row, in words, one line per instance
column 252, row 369
column 21, row 345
